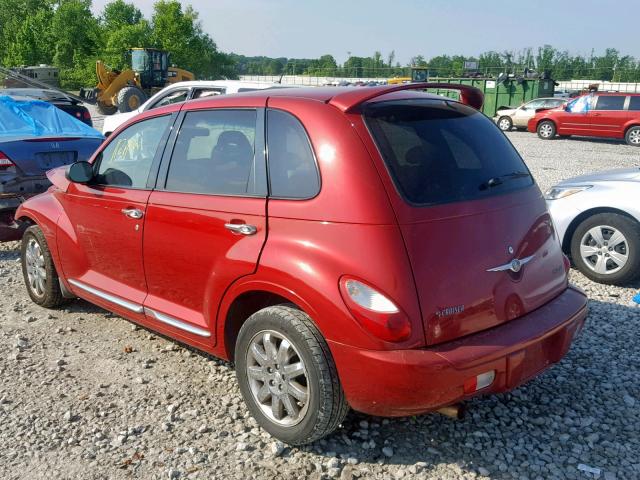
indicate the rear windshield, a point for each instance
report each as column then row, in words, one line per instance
column 440, row 151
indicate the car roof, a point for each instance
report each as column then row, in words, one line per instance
column 320, row 94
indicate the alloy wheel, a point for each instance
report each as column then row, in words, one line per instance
column 634, row 137
column 604, row 249
column 546, row 130
column 36, row 271
column 278, row 378
column 504, row 124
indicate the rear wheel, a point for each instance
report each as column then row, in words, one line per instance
column 546, row 130
column 130, row 98
column 287, row 376
column 606, row 248
column 505, row 123
column 38, row 270
column 632, row 137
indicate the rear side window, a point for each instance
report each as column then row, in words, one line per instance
column 214, row 153
column 634, row 103
column 292, row 166
column 441, row 151
column 610, row 102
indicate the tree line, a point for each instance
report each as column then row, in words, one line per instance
column 66, row 34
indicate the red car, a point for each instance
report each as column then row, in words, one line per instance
column 611, row 115
column 380, row 249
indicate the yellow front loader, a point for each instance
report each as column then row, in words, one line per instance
column 126, row 90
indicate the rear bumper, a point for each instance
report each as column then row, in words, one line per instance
column 409, row 382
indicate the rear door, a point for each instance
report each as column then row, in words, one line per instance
column 479, row 238
column 103, row 256
column 206, row 222
column 609, row 115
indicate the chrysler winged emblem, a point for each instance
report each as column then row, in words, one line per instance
column 514, row 265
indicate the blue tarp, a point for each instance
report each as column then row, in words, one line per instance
column 35, row 118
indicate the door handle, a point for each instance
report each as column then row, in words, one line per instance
column 241, row 228
column 133, row 213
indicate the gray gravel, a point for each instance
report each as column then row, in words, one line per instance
column 85, row 394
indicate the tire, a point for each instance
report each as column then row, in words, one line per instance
column 106, row 109
column 505, row 123
column 38, row 270
column 325, row 407
column 546, row 130
column 130, row 98
column 583, row 243
column 632, row 137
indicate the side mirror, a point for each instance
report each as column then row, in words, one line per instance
column 80, row 172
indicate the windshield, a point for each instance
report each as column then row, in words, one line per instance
column 139, row 60
column 439, row 151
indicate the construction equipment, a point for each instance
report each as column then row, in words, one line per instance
column 126, row 90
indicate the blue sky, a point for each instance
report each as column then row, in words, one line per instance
column 310, row 28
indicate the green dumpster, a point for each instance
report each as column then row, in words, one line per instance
column 511, row 92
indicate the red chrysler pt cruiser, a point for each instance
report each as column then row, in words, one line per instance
column 380, row 249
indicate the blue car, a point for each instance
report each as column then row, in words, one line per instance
column 35, row 136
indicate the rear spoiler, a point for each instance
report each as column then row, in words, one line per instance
column 350, row 100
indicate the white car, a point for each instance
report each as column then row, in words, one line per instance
column 597, row 218
column 507, row 118
column 183, row 91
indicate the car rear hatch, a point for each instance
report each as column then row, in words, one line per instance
column 34, row 156
column 480, row 241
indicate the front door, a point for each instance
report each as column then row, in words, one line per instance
column 206, row 222
column 103, row 256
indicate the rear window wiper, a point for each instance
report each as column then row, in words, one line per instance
column 500, row 179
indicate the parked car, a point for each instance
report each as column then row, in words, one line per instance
column 56, row 98
column 183, row 91
column 597, row 217
column 379, row 249
column 608, row 115
column 507, row 118
column 34, row 137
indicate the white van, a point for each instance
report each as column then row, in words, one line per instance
column 183, row 91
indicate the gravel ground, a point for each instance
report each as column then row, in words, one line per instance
column 85, row 394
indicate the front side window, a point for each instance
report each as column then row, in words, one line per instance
column 126, row 161
column 214, row 153
column 207, row 92
column 610, row 102
column 176, row 96
column 292, row 166
column 534, row 104
column 441, row 152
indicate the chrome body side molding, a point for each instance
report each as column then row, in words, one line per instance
column 174, row 322
column 134, row 307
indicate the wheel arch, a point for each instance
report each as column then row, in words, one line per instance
column 568, row 234
column 245, row 300
column 630, row 125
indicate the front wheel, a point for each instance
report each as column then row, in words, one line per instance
column 546, row 130
column 606, row 248
column 632, row 137
column 505, row 123
column 287, row 376
column 38, row 270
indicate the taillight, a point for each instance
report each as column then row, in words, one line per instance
column 86, row 115
column 375, row 311
column 5, row 162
